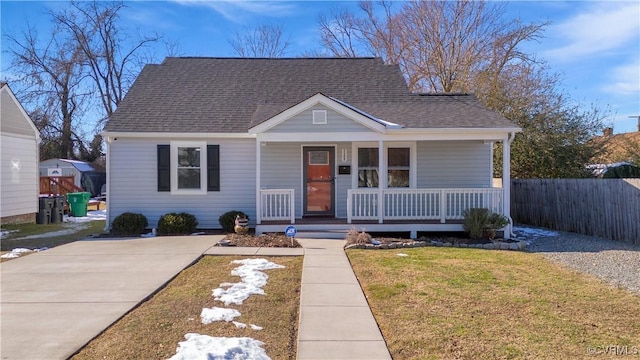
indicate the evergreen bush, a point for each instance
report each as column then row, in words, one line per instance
column 177, row 224
column 129, row 223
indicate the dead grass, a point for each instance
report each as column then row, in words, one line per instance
column 449, row 303
column 153, row 330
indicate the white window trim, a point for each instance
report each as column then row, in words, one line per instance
column 319, row 117
column 174, row 167
column 413, row 156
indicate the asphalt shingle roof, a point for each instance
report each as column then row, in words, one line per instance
column 235, row 94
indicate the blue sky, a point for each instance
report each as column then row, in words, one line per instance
column 593, row 45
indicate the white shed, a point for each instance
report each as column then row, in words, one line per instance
column 85, row 175
column 19, row 153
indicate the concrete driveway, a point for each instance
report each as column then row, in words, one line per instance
column 55, row 301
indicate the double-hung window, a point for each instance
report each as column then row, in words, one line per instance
column 189, row 171
column 398, row 159
column 188, row 167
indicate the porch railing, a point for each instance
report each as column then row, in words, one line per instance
column 277, row 204
column 419, row 204
column 392, row 204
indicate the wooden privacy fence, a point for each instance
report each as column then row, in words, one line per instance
column 607, row 208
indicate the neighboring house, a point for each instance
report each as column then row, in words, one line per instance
column 85, row 175
column 620, row 155
column 19, row 150
column 327, row 144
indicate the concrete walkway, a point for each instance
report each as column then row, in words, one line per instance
column 335, row 319
column 54, row 302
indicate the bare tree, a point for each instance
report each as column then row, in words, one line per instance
column 111, row 65
column 51, row 75
column 470, row 46
column 84, row 67
column 262, row 41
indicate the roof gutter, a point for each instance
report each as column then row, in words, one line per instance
column 174, row 135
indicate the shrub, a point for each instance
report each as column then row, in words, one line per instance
column 177, row 224
column 497, row 221
column 358, row 238
column 129, row 223
column 481, row 223
column 228, row 220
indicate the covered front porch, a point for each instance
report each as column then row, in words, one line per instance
column 324, row 165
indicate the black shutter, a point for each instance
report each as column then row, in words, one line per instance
column 213, row 167
column 164, row 168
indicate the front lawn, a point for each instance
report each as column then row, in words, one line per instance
column 153, row 330
column 446, row 303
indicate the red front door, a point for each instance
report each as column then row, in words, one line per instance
column 319, row 174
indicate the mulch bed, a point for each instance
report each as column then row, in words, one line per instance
column 264, row 240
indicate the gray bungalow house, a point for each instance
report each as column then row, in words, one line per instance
column 325, row 144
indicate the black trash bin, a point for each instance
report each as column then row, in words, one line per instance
column 45, row 205
column 57, row 212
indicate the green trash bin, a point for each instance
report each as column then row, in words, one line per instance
column 78, row 203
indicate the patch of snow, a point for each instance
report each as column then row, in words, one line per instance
column 252, row 281
column 375, row 242
column 5, row 233
column 256, row 327
column 402, row 254
column 17, row 252
column 533, row 232
column 153, row 233
column 209, row 315
column 204, row 347
column 10, row 255
column 240, row 325
column 93, row 215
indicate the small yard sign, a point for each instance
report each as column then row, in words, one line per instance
column 290, row 231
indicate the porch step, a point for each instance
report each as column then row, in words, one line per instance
column 322, row 234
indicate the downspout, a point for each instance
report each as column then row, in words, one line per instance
column 506, row 183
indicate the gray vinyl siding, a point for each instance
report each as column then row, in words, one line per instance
column 303, row 123
column 13, row 120
column 454, row 164
column 282, row 169
column 133, row 183
column 20, row 184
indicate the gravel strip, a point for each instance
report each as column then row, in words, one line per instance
column 615, row 262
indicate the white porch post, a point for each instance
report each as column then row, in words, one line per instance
column 258, row 195
column 506, row 183
column 382, row 180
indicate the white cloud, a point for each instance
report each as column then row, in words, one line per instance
column 601, row 27
column 237, row 10
column 625, row 79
